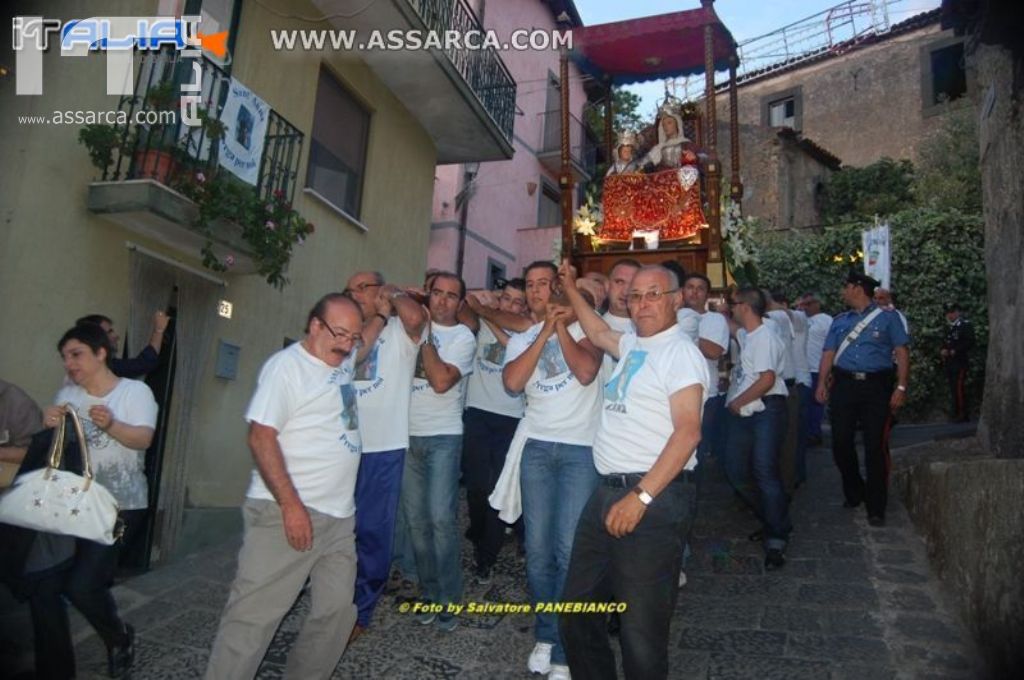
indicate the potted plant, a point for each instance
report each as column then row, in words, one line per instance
column 101, row 140
column 270, row 226
column 156, row 157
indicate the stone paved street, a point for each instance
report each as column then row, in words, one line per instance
column 852, row 602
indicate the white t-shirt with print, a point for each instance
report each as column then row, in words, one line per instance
column 621, row 324
column 636, row 419
column 558, row 408
column 430, row 413
column 714, row 328
column 783, row 329
column 486, row 390
column 817, row 331
column 689, row 323
column 760, row 351
column 384, row 388
column 312, row 405
column 121, row 470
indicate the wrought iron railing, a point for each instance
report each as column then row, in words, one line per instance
column 583, row 145
column 483, row 70
column 164, row 148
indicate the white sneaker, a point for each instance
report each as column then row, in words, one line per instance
column 682, row 578
column 540, row 658
column 559, row 672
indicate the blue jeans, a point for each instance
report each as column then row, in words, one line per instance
column 430, row 503
column 557, row 481
column 377, row 494
column 805, row 395
column 753, row 446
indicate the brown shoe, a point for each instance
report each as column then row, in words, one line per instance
column 357, row 630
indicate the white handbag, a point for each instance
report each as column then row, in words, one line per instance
column 59, row 501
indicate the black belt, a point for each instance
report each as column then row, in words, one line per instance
column 627, row 480
column 863, row 375
column 771, row 397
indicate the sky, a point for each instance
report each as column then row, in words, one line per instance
column 745, row 18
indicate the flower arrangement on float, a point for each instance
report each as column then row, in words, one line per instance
column 738, row 242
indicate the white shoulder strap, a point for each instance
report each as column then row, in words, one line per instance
column 855, row 333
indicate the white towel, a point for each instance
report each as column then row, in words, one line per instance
column 507, row 497
column 750, row 409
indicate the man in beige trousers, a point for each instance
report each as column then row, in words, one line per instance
column 299, row 510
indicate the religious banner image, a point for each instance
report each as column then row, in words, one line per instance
column 245, row 116
column 877, row 248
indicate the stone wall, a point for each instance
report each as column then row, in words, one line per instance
column 1001, row 137
column 970, row 515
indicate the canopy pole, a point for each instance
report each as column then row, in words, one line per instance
column 715, row 265
column 565, row 183
column 735, row 185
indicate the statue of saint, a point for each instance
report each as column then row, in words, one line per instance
column 625, row 155
column 672, row 146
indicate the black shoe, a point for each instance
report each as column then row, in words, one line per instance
column 851, row 504
column 876, row 521
column 774, row 560
column 482, row 575
column 756, row 537
column 120, row 658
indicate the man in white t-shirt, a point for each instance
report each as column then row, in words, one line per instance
column 556, row 367
column 628, row 538
column 490, row 420
column 756, row 423
column 712, row 341
column 393, row 329
column 617, row 316
column 818, row 323
column 299, row 523
column 430, row 486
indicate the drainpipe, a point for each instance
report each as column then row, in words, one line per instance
column 469, row 171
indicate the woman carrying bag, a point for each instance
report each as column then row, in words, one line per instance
column 118, row 416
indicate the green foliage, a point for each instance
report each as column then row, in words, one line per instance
column 948, row 173
column 101, row 141
column 937, row 258
column 270, row 227
column 625, row 114
column 881, row 188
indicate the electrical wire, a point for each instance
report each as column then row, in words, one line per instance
column 315, row 20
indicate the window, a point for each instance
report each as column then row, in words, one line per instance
column 782, row 113
column 550, row 213
column 337, row 154
column 783, row 109
column 495, row 274
column 949, row 80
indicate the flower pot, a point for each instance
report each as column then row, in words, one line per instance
column 155, row 164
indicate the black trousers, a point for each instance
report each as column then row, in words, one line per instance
column 485, row 441
column 86, row 585
column 862, row 404
column 639, row 570
column 956, row 375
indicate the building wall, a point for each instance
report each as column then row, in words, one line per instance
column 507, row 193
column 58, row 261
column 860, row 106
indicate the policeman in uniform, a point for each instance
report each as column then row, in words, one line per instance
column 955, row 349
column 857, row 368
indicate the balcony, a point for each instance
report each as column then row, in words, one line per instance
column 139, row 189
column 464, row 99
column 583, row 146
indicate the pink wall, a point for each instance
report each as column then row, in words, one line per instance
column 502, row 214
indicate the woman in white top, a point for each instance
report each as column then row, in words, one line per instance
column 118, row 416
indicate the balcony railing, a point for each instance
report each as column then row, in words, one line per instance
column 483, row 70
column 583, row 145
column 167, row 149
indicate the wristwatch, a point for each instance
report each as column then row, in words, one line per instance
column 398, row 294
column 901, row 388
column 644, row 497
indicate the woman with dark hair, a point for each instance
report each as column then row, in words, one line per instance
column 118, row 416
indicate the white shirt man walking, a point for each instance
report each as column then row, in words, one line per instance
column 628, row 544
column 304, row 437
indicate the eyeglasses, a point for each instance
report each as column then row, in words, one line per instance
column 355, row 338
column 363, row 286
column 649, row 296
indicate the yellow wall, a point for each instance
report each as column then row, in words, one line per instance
column 58, row 261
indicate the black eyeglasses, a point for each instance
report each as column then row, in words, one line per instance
column 355, row 338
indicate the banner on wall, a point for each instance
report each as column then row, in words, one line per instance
column 241, row 148
column 877, row 248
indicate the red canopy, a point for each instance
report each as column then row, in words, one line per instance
column 651, row 48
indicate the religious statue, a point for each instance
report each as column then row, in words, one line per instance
column 625, row 155
column 672, row 144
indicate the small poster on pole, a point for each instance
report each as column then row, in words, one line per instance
column 877, row 254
